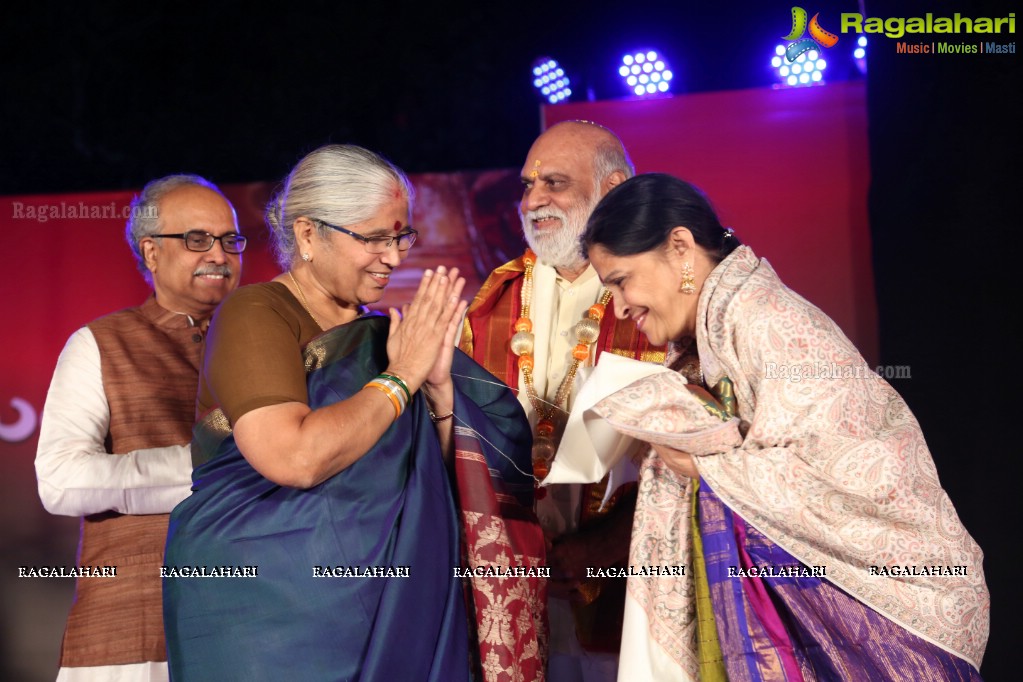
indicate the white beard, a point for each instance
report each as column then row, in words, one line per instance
column 558, row 247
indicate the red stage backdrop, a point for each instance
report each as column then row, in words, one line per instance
column 68, row 264
column 786, row 168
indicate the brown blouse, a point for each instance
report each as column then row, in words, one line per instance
column 253, row 354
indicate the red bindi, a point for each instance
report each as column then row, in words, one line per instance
column 397, row 225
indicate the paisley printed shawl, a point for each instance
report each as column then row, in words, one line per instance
column 660, row 636
column 834, row 468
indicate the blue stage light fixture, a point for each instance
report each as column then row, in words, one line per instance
column 807, row 69
column 860, row 54
column 646, row 73
column 550, row 80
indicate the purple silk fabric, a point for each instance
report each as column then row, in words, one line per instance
column 791, row 629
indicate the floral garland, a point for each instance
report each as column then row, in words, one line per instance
column 586, row 331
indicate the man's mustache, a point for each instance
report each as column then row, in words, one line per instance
column 213, row 269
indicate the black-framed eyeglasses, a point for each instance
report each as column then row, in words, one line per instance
column 404, row 239
column 197, row 240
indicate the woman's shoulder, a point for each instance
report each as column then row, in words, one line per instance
column 261, row 291
column 748, row 284
column 264, row 294
column 257, row 302
column 766, row 311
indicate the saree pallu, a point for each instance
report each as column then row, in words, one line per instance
column 721, row 619
column 718, row 623
column 392, row 510
column 796, row 626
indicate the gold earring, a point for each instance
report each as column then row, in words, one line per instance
column 688, row 285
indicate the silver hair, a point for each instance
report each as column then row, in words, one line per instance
column 609, row 157
column 341, row 184
column 144, row 215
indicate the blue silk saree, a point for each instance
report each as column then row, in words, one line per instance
column 310, row 613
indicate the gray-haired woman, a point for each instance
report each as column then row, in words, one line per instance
column 325, row 470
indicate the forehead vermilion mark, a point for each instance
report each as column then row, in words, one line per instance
column 397, row 225
column 536, row 171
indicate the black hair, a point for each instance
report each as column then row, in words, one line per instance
column 638, row 216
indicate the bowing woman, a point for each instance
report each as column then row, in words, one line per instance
column 818, row 541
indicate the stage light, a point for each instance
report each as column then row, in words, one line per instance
column 807, row 69
column 860, row 54
column 551, row 80
column 861, row 47
column 646, row 73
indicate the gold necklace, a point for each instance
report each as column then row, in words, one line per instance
column 586, row 330
column 305, row 303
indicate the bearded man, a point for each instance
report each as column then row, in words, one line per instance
column 537, row 324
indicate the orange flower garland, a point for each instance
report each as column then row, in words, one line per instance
column 586, row 330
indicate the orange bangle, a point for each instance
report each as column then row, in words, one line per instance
column 390, row 396
column 399, row 382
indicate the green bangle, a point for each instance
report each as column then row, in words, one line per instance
column 401, row 382
column 393, row 388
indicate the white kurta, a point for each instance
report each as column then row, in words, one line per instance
column 78, row 477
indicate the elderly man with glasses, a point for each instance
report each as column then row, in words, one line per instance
column 114, row 440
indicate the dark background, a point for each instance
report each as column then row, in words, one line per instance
column 107, row 98
column 944, row 213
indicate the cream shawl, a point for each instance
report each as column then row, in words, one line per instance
column 829, row 464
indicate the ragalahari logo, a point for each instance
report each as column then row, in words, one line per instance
column 799, row 45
